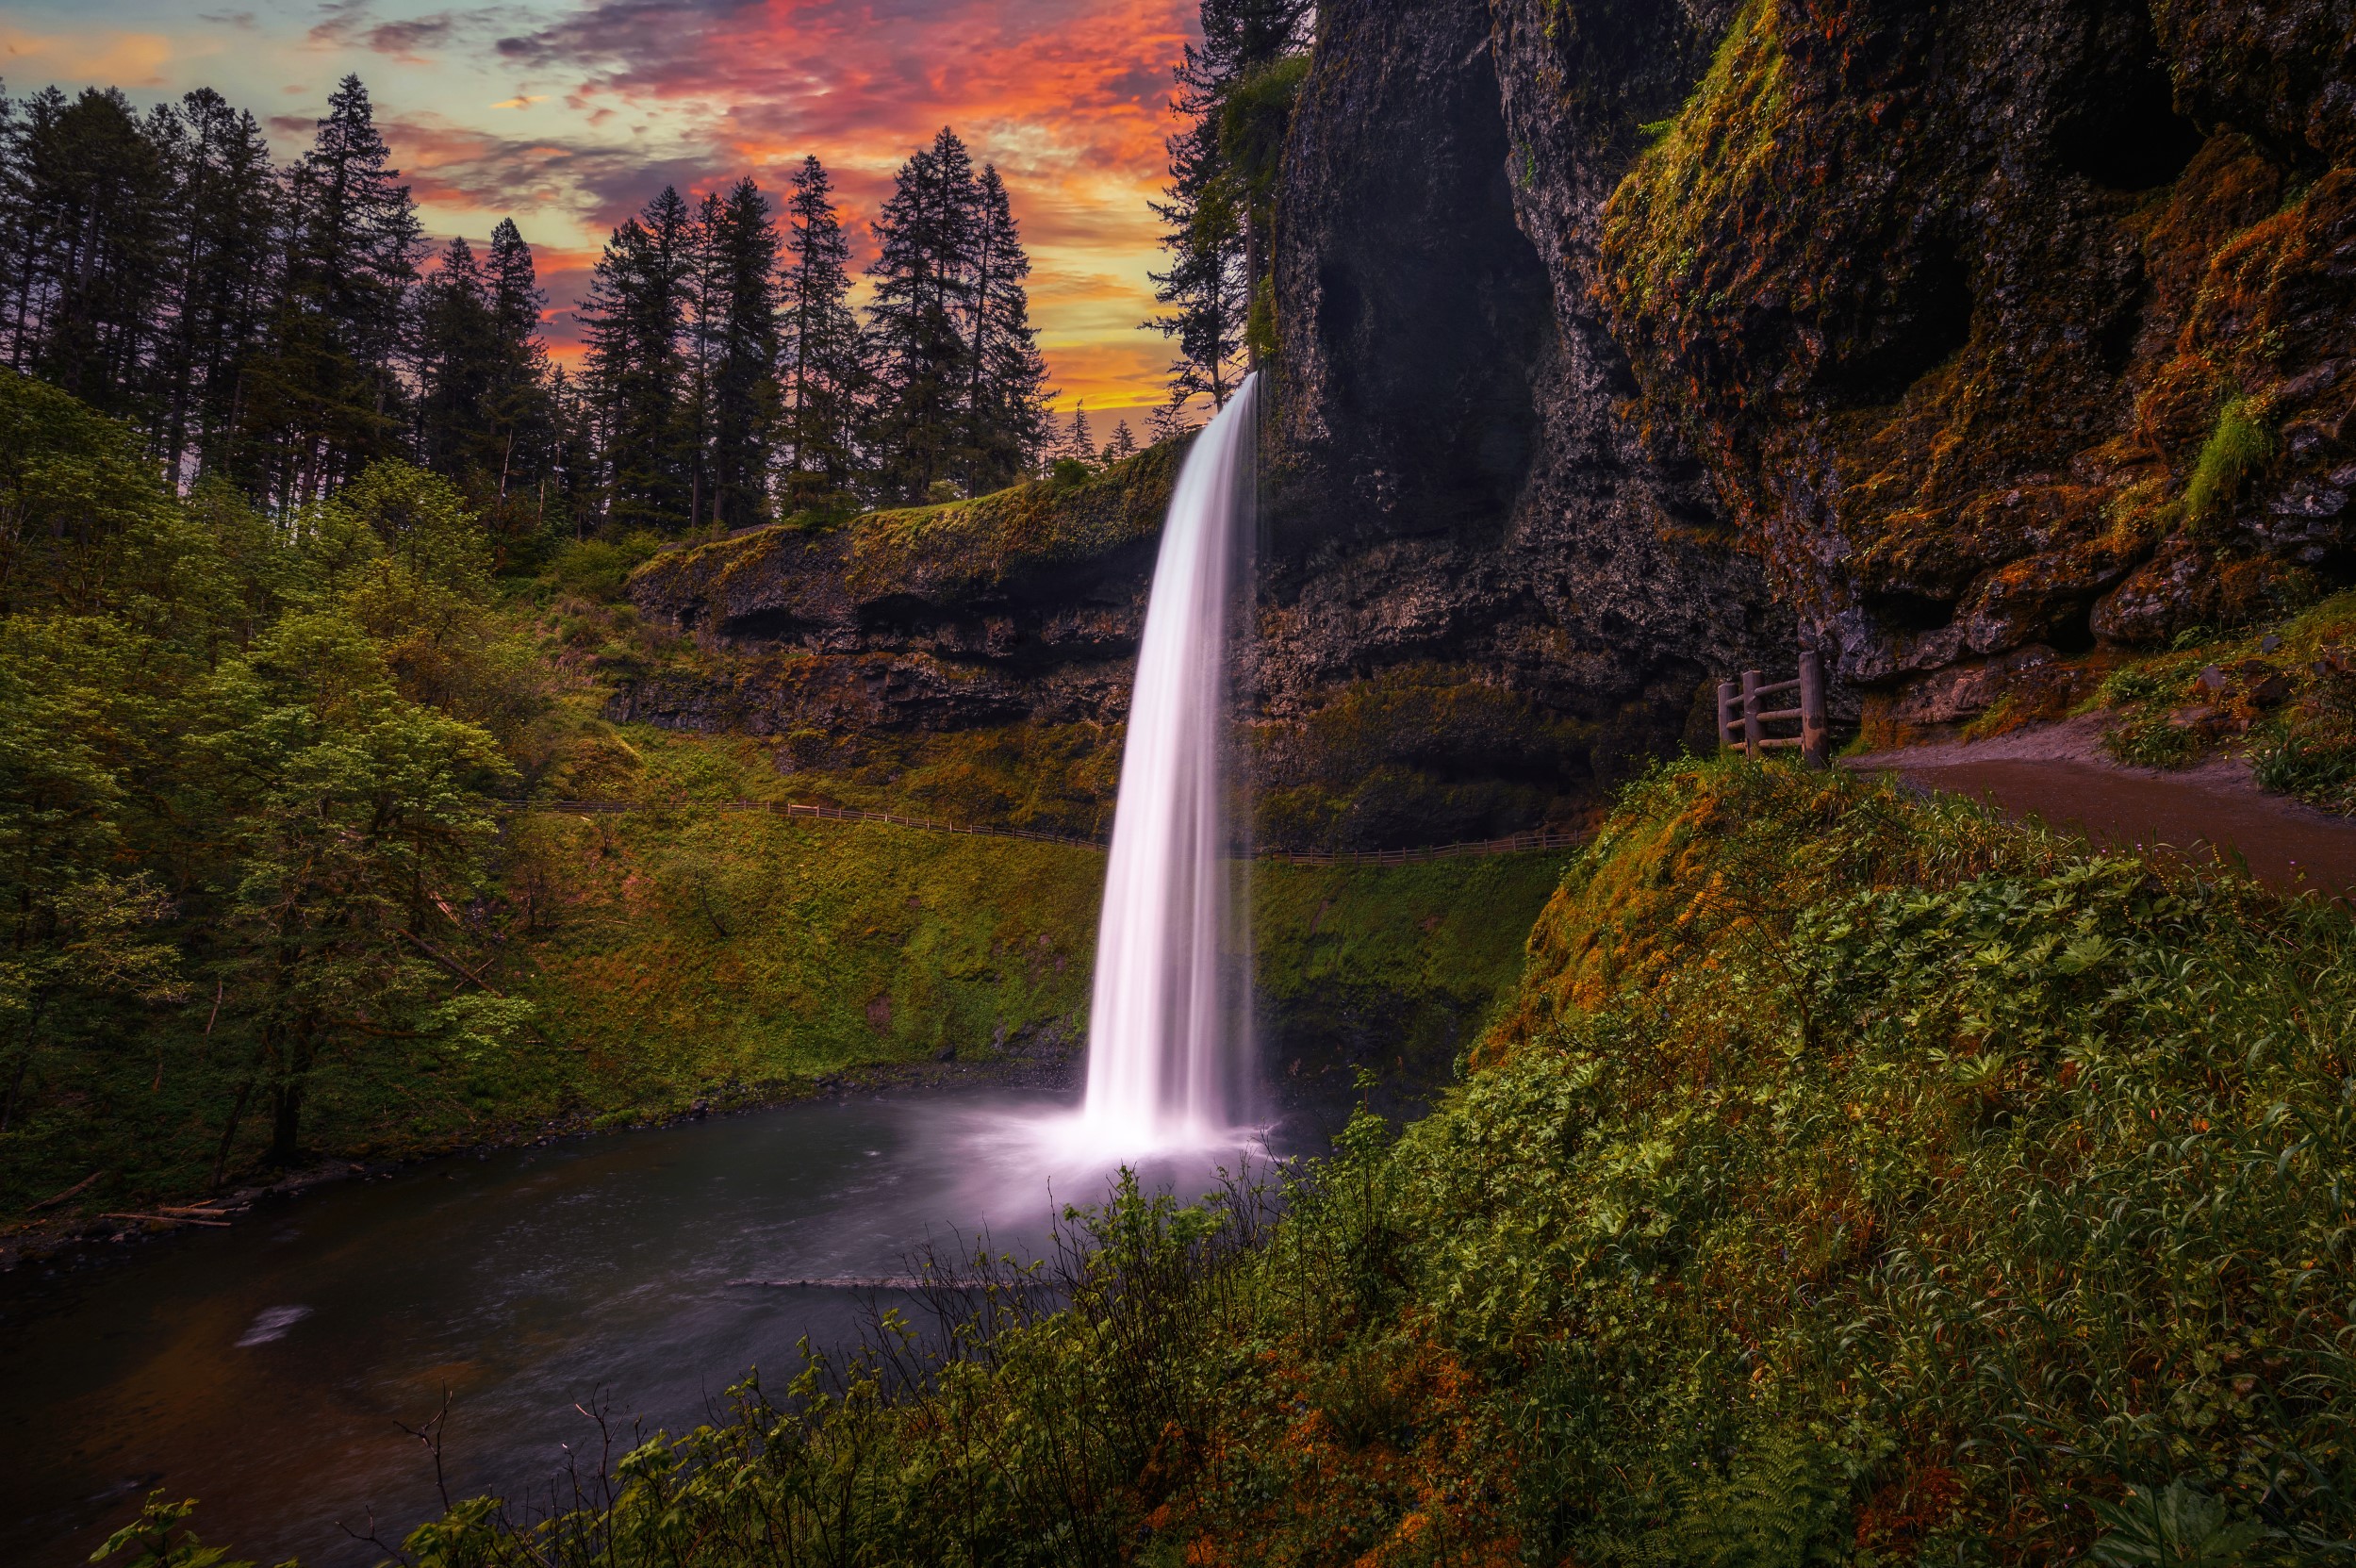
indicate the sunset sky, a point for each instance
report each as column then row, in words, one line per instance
column 568, row 114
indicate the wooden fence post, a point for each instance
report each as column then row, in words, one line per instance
column 1729, row 707
column 1752, row 730
column 1815, row 734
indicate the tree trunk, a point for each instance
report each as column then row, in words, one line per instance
column 286, row 1121
column 237, row 1114
column 285, row 1102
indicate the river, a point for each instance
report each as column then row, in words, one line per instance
column 268, row 1369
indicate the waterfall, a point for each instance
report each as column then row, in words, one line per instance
column 1169, row 1030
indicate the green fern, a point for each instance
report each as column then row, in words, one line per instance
column 2181, row 1528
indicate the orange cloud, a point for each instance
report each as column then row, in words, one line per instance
column 106, row 56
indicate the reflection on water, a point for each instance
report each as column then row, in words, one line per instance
column 266, row 1369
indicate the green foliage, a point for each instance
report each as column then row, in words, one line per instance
column 151, row 1541
column 2320, row 769
column 2175, row 1526
column 1398, row 967
column 275, row 724
column 2288, row 687
column 2240, row 446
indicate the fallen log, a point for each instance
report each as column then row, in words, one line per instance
column 173, row 1219
column 77, row 1187
column 845, row 1282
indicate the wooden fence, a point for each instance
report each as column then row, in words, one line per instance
column 1541, row 838
column 1743, row 714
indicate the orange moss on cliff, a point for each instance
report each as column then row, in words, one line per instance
column 1960, row 340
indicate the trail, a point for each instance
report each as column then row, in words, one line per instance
column 2060, row 774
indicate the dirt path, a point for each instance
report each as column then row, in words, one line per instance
column 2060, row 773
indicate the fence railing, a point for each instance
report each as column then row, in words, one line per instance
column 1549, row 838
column 1743, row 714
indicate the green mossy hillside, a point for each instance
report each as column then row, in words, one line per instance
column 1392, row 970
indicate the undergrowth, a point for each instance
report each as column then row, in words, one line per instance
column 2283, row 694
column 1855, row 1178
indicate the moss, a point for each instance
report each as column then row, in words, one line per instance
column 947, row 551
column 956, row 549
column 1420, row 755
column 1715, row 157
column 1399, row 969
column 1921, row 386
column 2240, row 446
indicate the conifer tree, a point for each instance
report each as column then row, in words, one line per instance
column 1006, row 405
column 330, row 396
column 1078, row 443
column 220, row 274
column 639, row 375
column 1206, row 285
column 740, row 332
column 569, row 498
column 87, row 194
column 456, row 349
column 483, row 416
column 1123, row 443
column 517, row 416
column 925, row 236
column 821, row 358
column 1231, row 89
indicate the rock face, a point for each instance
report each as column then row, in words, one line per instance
column 2005, row 326
column 1459, row 473
column 1023, row 606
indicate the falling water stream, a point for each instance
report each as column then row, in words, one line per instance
column 1169, row 1031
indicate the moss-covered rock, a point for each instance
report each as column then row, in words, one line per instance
column 1022, row 604
column 1455, row 476
column 2005, row 326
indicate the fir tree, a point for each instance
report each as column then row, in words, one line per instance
column 1122, row 444
column 1233, row 96
column 519, row 418
column 1006, row 405
column 329, row 396
column 740, row 309
column 87, row 191
column 1207, row 285
column 221, row 278
column 637, row 317
column 569, row 498
column 1078, row 443
column 925, row 236
column 821, row 357
column 456, row 352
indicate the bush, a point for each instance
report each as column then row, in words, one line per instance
column 599, row 569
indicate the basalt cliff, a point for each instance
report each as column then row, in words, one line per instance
column 1621, row 343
